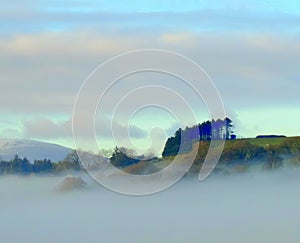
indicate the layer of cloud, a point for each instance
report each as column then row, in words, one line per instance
column 47, row 129
column 254, row 207
column 43, row 72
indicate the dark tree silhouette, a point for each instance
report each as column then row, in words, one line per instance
column 121, row 158
column 42, row 166
column 183, row 139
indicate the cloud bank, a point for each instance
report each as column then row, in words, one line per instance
column 248, row 207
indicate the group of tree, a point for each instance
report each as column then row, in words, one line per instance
column 184, row 138
column 122, row 157
column 23, row 166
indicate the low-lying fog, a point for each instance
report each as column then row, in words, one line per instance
column 252, row 207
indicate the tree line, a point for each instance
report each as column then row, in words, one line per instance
column 23, row 166
column 240, row 151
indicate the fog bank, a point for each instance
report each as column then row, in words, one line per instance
column 249, row 207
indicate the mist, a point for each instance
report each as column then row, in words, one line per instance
column 254, row 206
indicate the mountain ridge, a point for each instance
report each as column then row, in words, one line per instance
column 32, row 149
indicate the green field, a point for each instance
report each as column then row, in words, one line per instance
column 264, row 142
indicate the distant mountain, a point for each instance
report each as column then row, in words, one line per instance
column 32, row 150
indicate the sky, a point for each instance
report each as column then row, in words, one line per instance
column 250, row 50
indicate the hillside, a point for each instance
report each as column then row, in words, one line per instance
column 264, row 142
column 241, row 154
column 32, row 150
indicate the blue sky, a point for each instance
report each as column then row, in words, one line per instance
column 36, row 16
column 249, row 48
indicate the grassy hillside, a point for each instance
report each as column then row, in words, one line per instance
column 265, row 142
column 269, row 152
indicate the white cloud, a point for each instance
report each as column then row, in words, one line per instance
column 45, row 71
column 42, row 128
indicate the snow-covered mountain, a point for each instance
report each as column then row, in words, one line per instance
column 32, row 150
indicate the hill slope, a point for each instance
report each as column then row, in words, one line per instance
column 32, row 150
